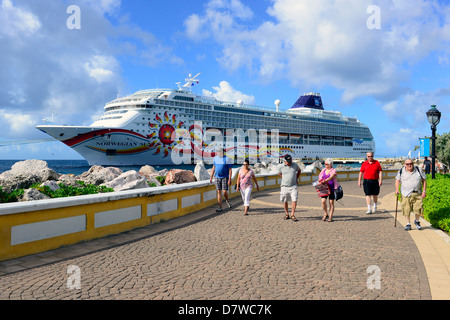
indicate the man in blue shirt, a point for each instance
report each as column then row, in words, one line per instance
column 221, row 170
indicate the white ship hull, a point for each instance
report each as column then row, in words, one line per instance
column 96, row 145
column 119, row 147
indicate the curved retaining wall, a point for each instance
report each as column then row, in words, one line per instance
column 32, row 227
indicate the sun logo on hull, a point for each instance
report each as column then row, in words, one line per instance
column 163, row 135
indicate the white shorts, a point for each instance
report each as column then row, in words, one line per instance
column 289, row 194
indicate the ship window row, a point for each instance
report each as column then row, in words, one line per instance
column 115, row 112
column 110, row 118
column 223, row 119
column 274, row 119
column 264, row 122
column 182, row 104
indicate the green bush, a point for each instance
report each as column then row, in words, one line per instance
column 64, row 191
column 6, row 197
column 161, row 180
column 70, row 191
column 437, row 202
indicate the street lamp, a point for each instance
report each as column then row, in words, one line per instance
column 433, row 116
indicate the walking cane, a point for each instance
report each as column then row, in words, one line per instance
column 396, row 207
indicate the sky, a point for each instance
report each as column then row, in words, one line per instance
column 384, row 61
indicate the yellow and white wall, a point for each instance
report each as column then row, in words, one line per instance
column 31, row 227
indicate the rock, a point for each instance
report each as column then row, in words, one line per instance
column 152, row 180
column 311, row 168
column 258, row 165
column 148, row 171
column 99, row 175
column 33, row 194
column 179, row 176
column 397, row 165
column 257, row 169
column 200, row 172
column 163, row 172
column 53, row 185
column 127, row 181
column 23, row 174
column 273, row 167
column 341, row 167
column 68, row 179
column 29, row 166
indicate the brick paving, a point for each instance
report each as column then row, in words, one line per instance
column 229, row 256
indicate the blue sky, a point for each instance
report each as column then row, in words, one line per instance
column 254, row 50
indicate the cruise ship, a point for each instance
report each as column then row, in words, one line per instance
column 162, row 126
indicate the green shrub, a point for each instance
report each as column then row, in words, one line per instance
column 64, row 191
column 14, row 196
column 161, row 180
column 437, row 202
column 70, row 191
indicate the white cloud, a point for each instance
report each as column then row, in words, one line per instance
column 218, row 21
column 16, row 22
column 15, row 124
column 46, row 67
column 193, row 25
column 225, row 92
column 327, row 43
column 401, row 141
column 102, row 68
column 102, row 6
column 410, row 109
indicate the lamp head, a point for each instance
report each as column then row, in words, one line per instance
column 434, row 116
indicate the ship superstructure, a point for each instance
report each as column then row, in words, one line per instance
column 142, row 128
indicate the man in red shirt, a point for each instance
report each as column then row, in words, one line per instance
column 371, row 171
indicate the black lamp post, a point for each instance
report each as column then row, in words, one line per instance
column 434, row 116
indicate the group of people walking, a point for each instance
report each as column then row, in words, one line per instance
column 410, row 183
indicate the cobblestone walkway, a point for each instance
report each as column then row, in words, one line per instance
column 206, row 255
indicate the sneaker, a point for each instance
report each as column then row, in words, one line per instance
column 408, row 227
column 219, row 210
column 417, row 223
column 228, row 203
column 374, row 209
column 369, row 211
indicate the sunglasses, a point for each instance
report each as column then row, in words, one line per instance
column 408, row 164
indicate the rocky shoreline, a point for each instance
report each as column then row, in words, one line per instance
column 28, row 173
column 24, row 174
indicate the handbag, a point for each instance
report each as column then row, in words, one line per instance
column 338, row 193
column 322, row 189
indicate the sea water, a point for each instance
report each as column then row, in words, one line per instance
column 77, row 167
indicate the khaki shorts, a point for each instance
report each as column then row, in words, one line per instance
column 412, row 203
column 289, row 194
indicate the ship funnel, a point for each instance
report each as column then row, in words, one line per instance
column 309, row 100
column 277, row 104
